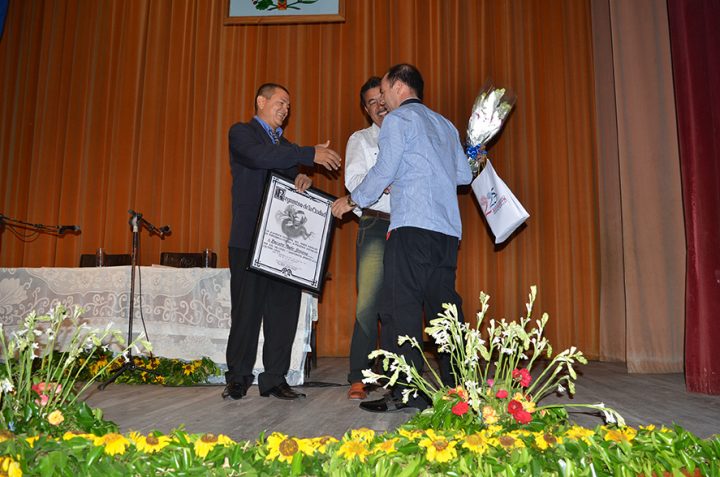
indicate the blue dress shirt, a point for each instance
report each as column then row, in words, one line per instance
column 421, row 158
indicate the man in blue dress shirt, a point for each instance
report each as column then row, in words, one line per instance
column 422, row 160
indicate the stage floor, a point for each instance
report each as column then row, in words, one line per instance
column 640, row 398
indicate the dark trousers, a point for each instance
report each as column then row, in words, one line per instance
column 257, row 300
column 370, row 249
column 419, row 271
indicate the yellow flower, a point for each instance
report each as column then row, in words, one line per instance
column 489, row 415
column 207, row 442
column 649, row 427
column 56, row 417
column 521, row 433
column 320, row 443
column 31, row 440
column 10, row 467
column 579, row 433
column 351, row 449
column 114, row 443
column 494, row 429
column 151, row 443
column 72, row 435
column 362, row 434
column 284, row 447
column 159, row 379
column 543, row 440
column 188, row 369
column 412, row 434
column 479, row 442
column 618, row 435
column 153, row 363
column 439, row 449
column 386, row 447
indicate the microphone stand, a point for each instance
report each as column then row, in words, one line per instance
column 136, row 221
column 38, row 228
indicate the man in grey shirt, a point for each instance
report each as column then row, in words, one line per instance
column 422, row 159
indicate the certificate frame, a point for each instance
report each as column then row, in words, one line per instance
column 258, row 12
column 293, row 234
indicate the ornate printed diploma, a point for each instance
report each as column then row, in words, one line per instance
column 293, row 234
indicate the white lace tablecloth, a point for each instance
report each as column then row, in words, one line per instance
column 186, row 310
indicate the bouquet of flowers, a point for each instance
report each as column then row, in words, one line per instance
column 490, row 110
column 40, row 384
column 496, row 381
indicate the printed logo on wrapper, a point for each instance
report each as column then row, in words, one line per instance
column 503, row 212
column 490, row 203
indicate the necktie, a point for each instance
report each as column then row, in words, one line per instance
column 274, row 136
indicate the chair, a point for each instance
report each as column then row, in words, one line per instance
column 109, row 260
column 187, row 260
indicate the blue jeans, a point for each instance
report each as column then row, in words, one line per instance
column 370, row 250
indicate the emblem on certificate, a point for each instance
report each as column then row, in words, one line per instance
column 293, row 234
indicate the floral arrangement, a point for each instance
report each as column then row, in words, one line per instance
column 153, row 369
column 490, row 109
column 38, row 384
column 495, row 451
column 494, row 375
column 47, row 440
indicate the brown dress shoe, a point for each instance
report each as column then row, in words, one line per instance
column 357, row 392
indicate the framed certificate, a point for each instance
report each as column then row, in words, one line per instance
column 293, row 234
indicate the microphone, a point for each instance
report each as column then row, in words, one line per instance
column 68, row 228
column 165, row 230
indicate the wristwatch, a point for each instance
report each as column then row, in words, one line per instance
column 351, row 202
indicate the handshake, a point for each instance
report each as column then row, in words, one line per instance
column 326, row 157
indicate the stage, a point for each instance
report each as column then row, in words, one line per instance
column 642, row 399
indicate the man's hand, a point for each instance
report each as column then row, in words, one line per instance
column 341, row 206
column 302, row 182
column 327, row 157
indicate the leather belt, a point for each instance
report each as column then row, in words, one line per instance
column 376, row 213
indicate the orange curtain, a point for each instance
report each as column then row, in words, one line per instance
column 117, row 105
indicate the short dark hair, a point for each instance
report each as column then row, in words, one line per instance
column 267, row 90
column 409, row 75
column 372, row 82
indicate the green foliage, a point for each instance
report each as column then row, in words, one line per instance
column 559, row 450
column 153, row 370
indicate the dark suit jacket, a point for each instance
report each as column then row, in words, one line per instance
column 252, row 156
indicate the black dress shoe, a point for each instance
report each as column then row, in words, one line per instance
column 282, row 391
column 234, row 391
column 386, row 404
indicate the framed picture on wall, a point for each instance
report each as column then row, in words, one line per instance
column 244, row 12
column 293, row 234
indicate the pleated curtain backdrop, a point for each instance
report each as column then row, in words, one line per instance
column 695, row 35
column 117, row 105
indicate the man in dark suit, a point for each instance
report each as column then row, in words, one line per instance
column 256, row 148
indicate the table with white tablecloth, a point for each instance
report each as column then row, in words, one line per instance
column 186, row 311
